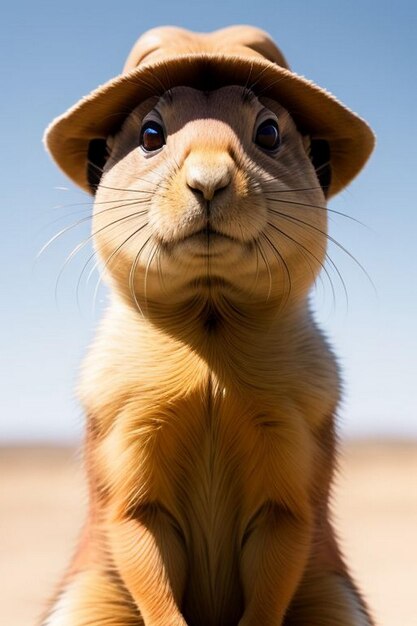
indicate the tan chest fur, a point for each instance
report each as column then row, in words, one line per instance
column 205, row 441
column 183, row 430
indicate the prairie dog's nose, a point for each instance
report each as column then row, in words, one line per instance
column 208, row 173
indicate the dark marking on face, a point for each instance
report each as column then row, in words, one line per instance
column 320, row 157
column 97, row 156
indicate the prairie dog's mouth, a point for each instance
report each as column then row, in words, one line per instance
column 209, row 243
column 209, row 233
column 203, row 238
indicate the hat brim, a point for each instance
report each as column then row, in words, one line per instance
column 315, row 111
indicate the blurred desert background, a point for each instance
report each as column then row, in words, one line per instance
column 43, row 500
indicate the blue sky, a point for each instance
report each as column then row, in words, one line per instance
column 365, row 52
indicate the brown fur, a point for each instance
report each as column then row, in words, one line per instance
column 210, row 392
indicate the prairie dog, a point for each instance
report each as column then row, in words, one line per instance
column 210, row 393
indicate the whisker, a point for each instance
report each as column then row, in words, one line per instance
column 292, row 190
column 257, row 262
column 155, row 184
column 246, row 92
column 129, row 203
column 345, row 291
column 268, row 269
column 101, row 171
column 132, row 276
column 78, row 223
column 168, row 91
column 94, row 203
column 256, row 269
column 145, row 280
column 161, row 84
column 305, row 249
column 83, row 243
column 283, row 264
column 160, row 272
column 95, row 265
column 330, row 238
column 112, row 255
column 316, row 206
column 258, row 78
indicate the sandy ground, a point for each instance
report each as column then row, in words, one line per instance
column 42, row 500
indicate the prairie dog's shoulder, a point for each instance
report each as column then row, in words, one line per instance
column 131, row 356
column 321, row 373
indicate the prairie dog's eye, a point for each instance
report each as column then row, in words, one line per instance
column 151, row 136
column 267, row 135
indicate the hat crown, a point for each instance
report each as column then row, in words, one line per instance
column 170, row 41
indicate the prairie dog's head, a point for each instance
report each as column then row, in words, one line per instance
column 207, row 193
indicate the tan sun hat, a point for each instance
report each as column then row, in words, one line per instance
column 239, row 55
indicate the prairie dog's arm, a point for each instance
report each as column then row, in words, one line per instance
column 273, row 561
column 151, row 560
column 327, row 594
column 146, row 546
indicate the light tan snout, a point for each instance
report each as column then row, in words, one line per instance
column 208, row 172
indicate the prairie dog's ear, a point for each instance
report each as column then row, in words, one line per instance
column 319, row 153
column 98, row 152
